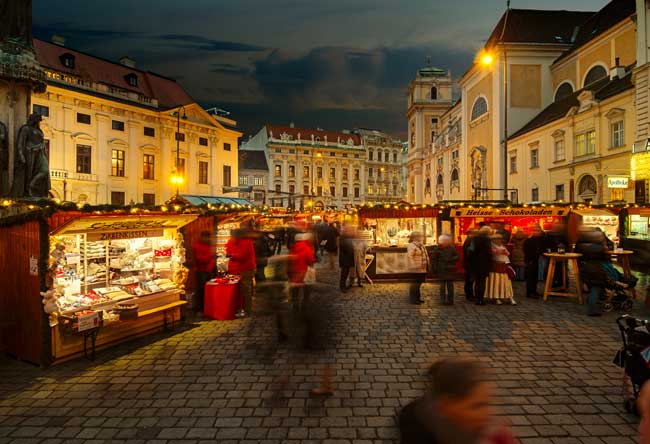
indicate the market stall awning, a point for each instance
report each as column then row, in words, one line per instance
column 593, row 212
column 194, row 199
column 122, row 222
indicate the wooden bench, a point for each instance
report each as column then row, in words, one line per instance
column 167, row 308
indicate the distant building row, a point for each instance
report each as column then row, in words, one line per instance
column 302, row 168
column 577, row 112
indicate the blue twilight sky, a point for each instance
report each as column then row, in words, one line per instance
column 334, row 64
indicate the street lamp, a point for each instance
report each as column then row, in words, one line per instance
column 487, row 60
column 177, row 178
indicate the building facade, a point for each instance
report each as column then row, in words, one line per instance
column 112, row 131
column 385, row 177
column 253, row 173
column 429, row 97
column 640, row 162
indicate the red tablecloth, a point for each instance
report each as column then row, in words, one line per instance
column 221, row 301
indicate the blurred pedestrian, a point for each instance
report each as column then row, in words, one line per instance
column 468, row 248
column 302, row 262
column 274, row 292
column 592, row 272
column 456, row 408
column 499, row 287
column 346, row 259
column 518, row 258
column 360, row 245
column 203, row 252
column 263, row 251
column 443, row 262
column 418, row 260
column 241, row 254
column 480, row 262
column 533, row 249
column 331, row 235
column 279, row 235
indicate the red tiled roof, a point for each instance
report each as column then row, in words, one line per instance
column 306, row 134
column 168, row 92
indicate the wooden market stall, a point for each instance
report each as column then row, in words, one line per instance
column 73, row 280
column 390, row 227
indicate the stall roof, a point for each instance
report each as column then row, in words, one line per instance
column 121, row 222
column 593, row 212
column 194, row 199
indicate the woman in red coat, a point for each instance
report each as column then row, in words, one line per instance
column 302, row 257
column 241, row 252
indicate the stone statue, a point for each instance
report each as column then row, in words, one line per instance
column 31, row 169
column 16, row 19
column 4, row 160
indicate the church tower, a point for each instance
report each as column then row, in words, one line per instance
column 429, row 97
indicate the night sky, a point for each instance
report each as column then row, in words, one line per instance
column 333, row 64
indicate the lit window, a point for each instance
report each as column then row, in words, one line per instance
column 148, row 166
column 305, row 172
column 278, row 171
column 559, row 150
column 292, row 171
column 117, row 163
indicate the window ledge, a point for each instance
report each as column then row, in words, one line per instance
column 559, row 161
column 534, row 167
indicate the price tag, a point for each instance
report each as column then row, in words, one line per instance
column 89, row 321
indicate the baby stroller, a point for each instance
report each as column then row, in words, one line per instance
column 618, row 290
column 634, row 357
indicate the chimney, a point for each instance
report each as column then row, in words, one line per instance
column 127, row 61
column 617, row 71
column 58, row 39
column 292, row 125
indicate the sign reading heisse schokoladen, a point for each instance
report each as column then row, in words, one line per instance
column 510, row 212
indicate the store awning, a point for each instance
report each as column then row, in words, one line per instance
column 593, row 212
column 123, row 222
column 194, row 199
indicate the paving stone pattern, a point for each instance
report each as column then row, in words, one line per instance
column 231, row 383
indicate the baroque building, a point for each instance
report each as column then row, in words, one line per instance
column 112, row 132
column 314, row 168
column 429, row 97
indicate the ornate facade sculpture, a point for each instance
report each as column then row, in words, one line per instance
column 31, row 169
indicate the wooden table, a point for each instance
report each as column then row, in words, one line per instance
column 623, row 259
column 571, row 259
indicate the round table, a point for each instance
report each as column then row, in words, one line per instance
column 570, row 259
column 623, row 258
column 221, row 301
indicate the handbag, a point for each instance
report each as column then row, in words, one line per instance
column 310, row 275
column 510, row 272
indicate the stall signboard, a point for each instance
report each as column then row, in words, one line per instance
column 127, row 234
column 89, row 321
column 618, row 181
column 511, row 212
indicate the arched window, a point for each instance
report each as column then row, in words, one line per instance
column 596, row 73
column 440, row 180
column 434, row 93
column 565, row 90
column 480, row 107
column 454, row 175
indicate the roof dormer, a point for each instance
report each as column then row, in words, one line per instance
column 68, row 60
column 131, row 79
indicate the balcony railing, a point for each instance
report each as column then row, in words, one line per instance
column 58, row 174
column 67, row 175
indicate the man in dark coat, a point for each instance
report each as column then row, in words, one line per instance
column 346, row 260
column 480, row 262
column 468, row 248
column 594, row 254
column 533, row 248
column 331, row 236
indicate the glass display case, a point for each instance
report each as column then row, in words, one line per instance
column 396, row 231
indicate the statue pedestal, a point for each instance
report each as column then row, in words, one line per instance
column 20, row 74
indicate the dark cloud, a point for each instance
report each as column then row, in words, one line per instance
column 229, row 68
column 204, row 44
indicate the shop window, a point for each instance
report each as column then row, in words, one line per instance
column 226, row 176
column 117, row 163
column 203, row 172
column 84, row 155
column 617, row 194
column 118, row 198
column 559, row 192
column 278, row 171
column 117, row 125
column 559, row 150
column 618, row 134
column 83, row 118
column 203, row 141
column 42, row 110
column 149, row 199
column 149, row 132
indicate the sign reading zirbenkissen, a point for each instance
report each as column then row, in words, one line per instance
column 510, row 212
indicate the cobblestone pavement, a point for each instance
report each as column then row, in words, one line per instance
column 221, row 381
